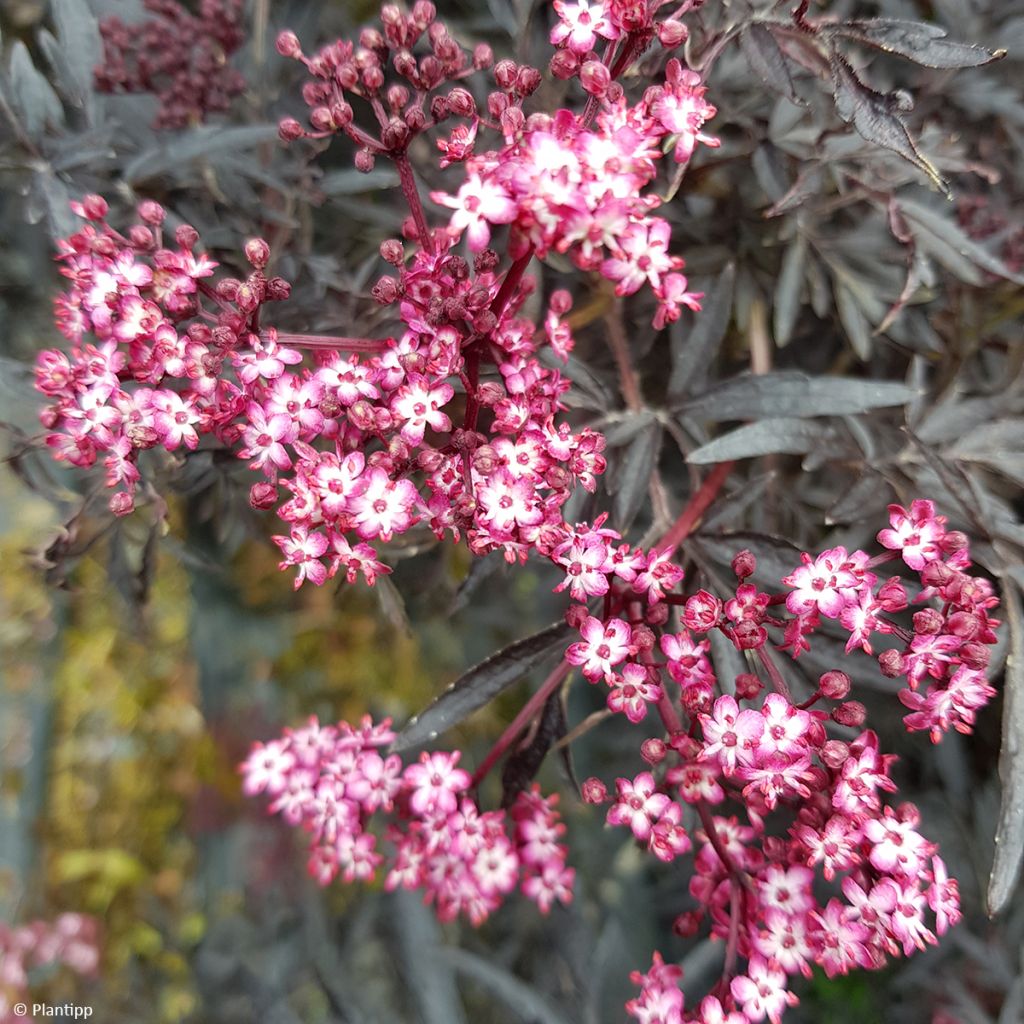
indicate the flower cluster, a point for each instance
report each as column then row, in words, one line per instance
column 178, row 56
column 806, row 800
column 564, row 187
column 147, row 363
column 336, row 784
column 70, row 940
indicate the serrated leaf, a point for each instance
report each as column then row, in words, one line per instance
column 876, row 117
column 782, row 436
column 481, row 684
column 692, row 352
column 788, row 288
column 949, row 233
column 81, row 46
column 633, row 474
column 792, row 394
column 1009, row 840
column 32, row 95
column 767, row 60
column 923, row 43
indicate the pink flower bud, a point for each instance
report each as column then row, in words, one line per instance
column 937, row 574
column 141, row 237
column 656, row 614
column 257, row 252
column 852, row 713
column 263, row 496
column 834, row 685
column 151, row 212
column 975, row 655
column 892, row 595
column 483, row 56
column 576, row 615
column 564, row 64
column 289, row 130
column 963, row 624
column 385, row 291
column 748, row 686
column 594, row 791
column 749, row 635
column 928, row 622
column 392, row 251
column 653, row 750
column 122, row 503
column 954, row 541
column 595, row 78
column 461, row 102
column 687, row 924
column 560, row 302
column 744, row 564
column 672, row 34
column 186, row 236
column 95, row 207
column 834, row 753
column 643, row 638
column 505, row 72
column 288, row 45
column 527, row 81
column 891, row 663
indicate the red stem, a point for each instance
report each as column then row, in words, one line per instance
column 331, row 342
column 412, row 197
column 697, row 506
column 520, row 722
column 511, row 282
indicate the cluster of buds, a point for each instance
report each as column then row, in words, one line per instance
column 336, row 784
column 70, row 941
column 179, row 57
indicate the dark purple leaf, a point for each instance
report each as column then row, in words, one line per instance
column 917, row 41
column 768, row 61
column 482, row 683
column 877, row 117
column 766, row 437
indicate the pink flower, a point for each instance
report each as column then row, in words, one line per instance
column 435, row 783
column 641, row 256
column 638, row 805
column 580, row 24
column 633, row 691
column 762, row 990
column 383, row 506
column 604, row 645
column 731, row 735
column 478, row 204
column 916, row 534
column 825, row 584
column 417, row 405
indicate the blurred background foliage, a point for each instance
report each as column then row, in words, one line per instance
column 139, row 659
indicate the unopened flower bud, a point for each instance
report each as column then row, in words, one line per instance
column 505, row 72
column 964, row 625
column 461, row 102
column 485, row 261
column 696, row 700
column 490, row 393
column 563, row 65
column 263, row 496
column 576, row 615
column 364, row 161
column 278, row 289
column 834, row 753
column 975, row 655
column 656, row 614
column 749, row 635
column 595, row 78
column 527, row 81
column 288, row 45
column 744, row 564
column 122, row 503
column 257, row 252
column 653, row 750
column 497, row 104
column 834, row 685
column 748, row 686
column 954, row 541
column 141, row 237
column 289, row 130
column 851, row 713
column 672, row 34
column 392, row 251
column 483, row 56
column 385, row 291
column 687, row 924
column 415, row 119
column 928, row 622
column 560, row 302
column 891, row 663
column 594, row 791
column 95, row 207
column 643, row 638
column 892, row 595
column 186, row 236
column 152, row 213
column 937, row 574
column 685, row 746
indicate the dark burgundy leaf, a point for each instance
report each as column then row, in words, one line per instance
column 917, row 41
